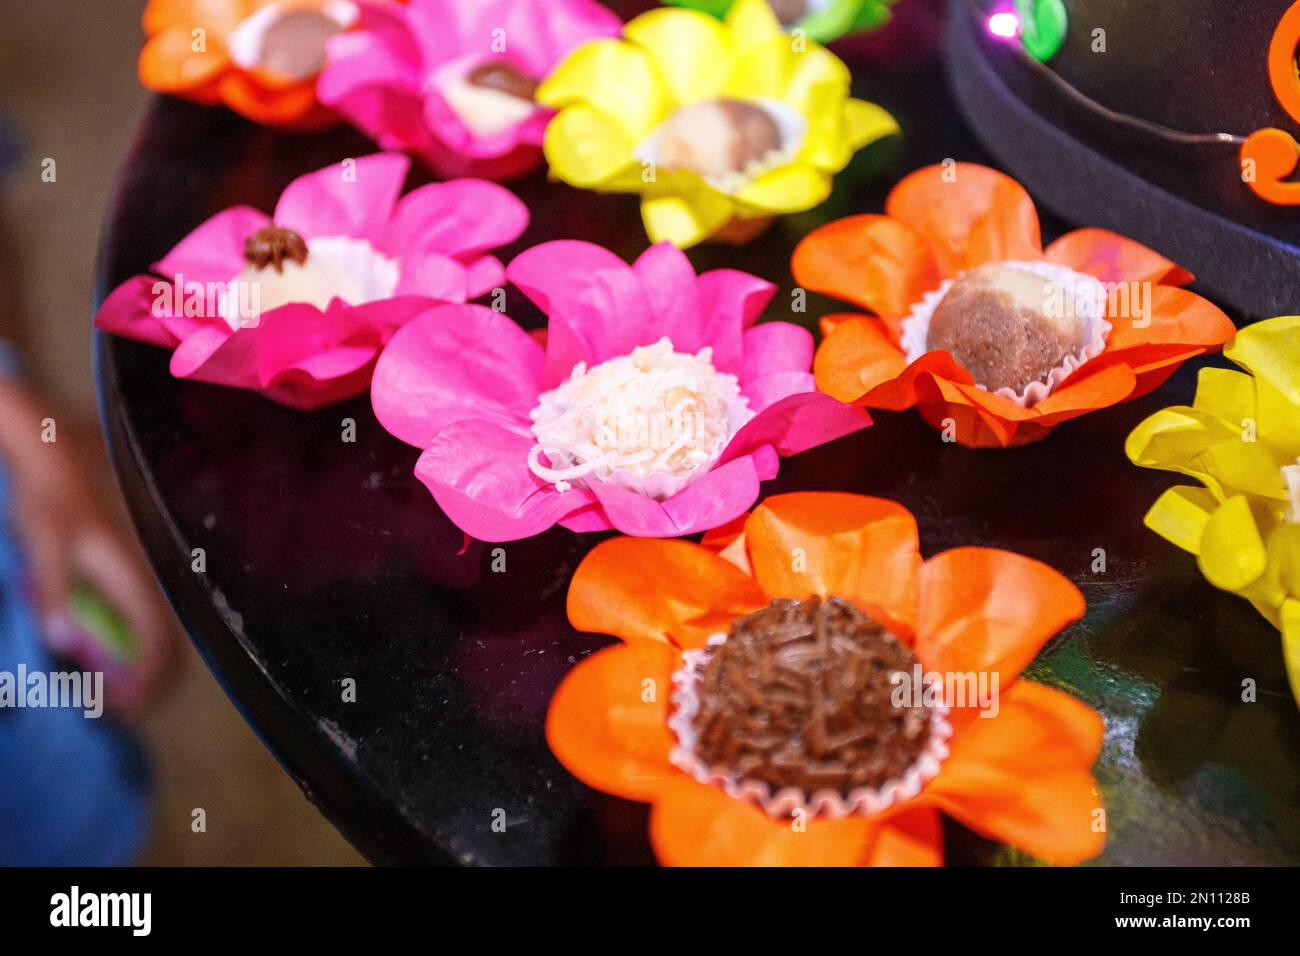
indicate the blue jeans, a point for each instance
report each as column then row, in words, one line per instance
column 74, row 791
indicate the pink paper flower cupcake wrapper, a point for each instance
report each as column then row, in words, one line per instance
column 429, row 246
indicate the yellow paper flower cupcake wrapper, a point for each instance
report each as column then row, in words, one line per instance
column 612, row 95
column 1241, row 440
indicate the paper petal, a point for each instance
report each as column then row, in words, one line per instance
column 969, row 214
column 128, row 311
column 658, row 590
column 871, row 261
column 694, row 824
column 462, row 219
column 1180, row 516
column 1113, row 258
column 214, row 252
column 1024, row 777
column 775, row 347
column 714, row 499
column 602, row 729
column 454, row 363
column 860, row 548
column 1232, row 554
column 986, row 611
column 352, row 198
column 478, row 473
column 596, row 303
column 796, row 423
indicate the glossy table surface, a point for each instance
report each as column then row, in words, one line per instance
column 326, row 560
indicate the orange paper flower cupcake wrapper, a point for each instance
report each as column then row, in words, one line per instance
column 1022, row 776
column 204, row 50
column 943, row 221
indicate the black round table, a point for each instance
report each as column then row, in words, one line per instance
column 325, row 561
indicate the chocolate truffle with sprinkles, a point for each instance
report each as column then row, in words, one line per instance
column 801, row 695
column 272, row 246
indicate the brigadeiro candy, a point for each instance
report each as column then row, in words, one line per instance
column 298, row 305
column 656, row 405
column 718, row 126
column 258, row 57
column 995, row 339
column 821, row 711
column 1013, row 325
column 797, row 703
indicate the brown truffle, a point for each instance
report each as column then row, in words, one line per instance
column 717, row 137
column 271, row 246
column 504, row 78
column 294, row 43
column 789, row 12
column 1006, row 326
column 801, row 695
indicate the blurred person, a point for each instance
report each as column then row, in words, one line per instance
column 74, row 788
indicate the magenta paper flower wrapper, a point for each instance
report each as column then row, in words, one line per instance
column 524, row 431
column 453, row 82
column 307, row 333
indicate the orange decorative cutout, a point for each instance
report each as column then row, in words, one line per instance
column 1281, row 62
column 1274, row 152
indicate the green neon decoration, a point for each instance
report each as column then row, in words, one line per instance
column 1042, row 27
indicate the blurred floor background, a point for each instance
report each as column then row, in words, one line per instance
column 68, row 92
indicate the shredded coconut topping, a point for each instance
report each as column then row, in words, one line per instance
column 653, row 420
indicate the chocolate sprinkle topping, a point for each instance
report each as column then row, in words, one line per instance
column 271, row 245
column 799, row 695
column 504, row 78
